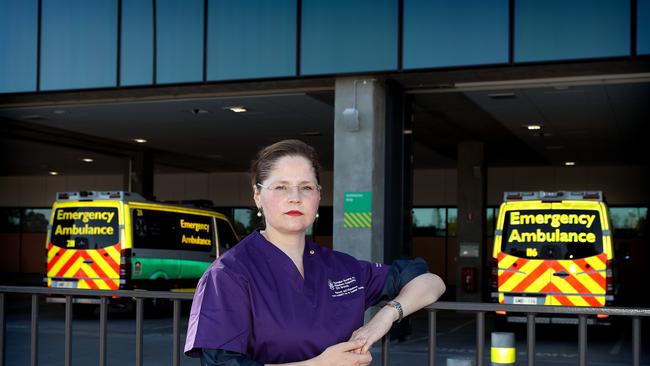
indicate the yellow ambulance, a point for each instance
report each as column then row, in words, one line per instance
column 553, row 248
column 118, row 240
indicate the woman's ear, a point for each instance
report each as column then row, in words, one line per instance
column 256, row 197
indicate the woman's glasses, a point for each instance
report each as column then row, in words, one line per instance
column 282, row 190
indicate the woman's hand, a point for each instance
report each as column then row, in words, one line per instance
column 344, row 354
column 375, row 329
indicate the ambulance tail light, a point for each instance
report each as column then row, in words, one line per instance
column 609, row 283
column 500, row 312
column 125, row 267
column 602, row 316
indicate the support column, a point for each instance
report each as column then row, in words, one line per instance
column 359, row 167
column 470, row 229
column 138, row 177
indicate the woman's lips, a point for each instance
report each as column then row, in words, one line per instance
column 293, row 213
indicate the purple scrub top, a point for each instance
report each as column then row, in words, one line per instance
column 253, row 300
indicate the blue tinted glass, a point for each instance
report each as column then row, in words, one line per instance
column 251, row 39
column 137, row 42
column 452, row 33
column 78, row 44
column 18, row 27
column 643, row 27
column 340, row 36
column 561, row 29
column 179, row 33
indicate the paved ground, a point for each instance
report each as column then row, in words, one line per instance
column 556, row 345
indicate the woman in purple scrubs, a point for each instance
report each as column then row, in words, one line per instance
column 277, row 299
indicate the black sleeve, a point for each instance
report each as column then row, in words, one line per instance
column 220, row 357
column 402, row 272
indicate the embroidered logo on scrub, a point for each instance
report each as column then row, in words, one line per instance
column 346, row 286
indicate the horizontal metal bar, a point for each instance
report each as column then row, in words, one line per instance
column 541, row 309
column 97, row 293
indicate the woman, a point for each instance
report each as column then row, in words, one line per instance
column 277, row 299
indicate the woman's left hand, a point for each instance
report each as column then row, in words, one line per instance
column 375, row 329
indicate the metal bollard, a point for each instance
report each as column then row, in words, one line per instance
column 503, row 351
column 460, row 362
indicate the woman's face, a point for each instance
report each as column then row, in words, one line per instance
column 289, row 198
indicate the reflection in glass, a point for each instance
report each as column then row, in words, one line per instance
column 137, row 43
column 18, row 34
column 78, row 44
column 179, row 41
column 452, row 219
column 35, row 220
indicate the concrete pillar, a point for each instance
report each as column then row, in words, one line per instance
column 138, row 176
column 359, row 166
column 470, row 230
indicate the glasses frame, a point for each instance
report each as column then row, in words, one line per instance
column 297, row 186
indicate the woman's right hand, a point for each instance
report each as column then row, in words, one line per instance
column 342, row 354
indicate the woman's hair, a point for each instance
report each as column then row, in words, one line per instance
column 267, row 157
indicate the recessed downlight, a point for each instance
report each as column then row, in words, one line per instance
column 236, row 108
column 53, row 173
column 569, row 163
column 534, row 127
column 140, row 140
column 87, row 160
column 59, row 111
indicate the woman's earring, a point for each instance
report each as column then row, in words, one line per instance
column 317, row 215
column 259, row 212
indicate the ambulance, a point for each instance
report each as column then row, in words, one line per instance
column 118, row 240
column 553, row 248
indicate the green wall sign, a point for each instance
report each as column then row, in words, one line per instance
column 357, row 210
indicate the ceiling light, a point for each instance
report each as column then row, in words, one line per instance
column 569, row 163
column 87, row 160
column 140, row 141
column 408, row 132
column 59, row 111
column 237, row 109
column 54, row 173
column 534, row 127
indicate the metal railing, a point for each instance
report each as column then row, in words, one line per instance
column 480, row 309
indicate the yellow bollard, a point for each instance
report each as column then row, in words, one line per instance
column 503, row 351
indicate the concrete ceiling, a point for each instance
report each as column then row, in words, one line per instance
column 596, row 124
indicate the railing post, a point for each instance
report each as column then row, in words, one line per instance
column 636, row 341
column 2, row 328
column 139, row 314
column 34, row 332
column 480, row 337
column 385, row 350
column 432, row 337
column 103, row 317
column 582, row 340
column 68, row 331
column 530, row 327
column 177, row 334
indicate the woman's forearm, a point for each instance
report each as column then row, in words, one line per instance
column 423, row 290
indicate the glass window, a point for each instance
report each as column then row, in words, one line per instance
column 561, row 29
column 78, row 44
column 18, row 35
column 35, row 220
column 643, row 27
column 569, row 237
column 246, row 221
column 9, row 220
column 136, row 66
column 227, row 237
column 85, row 227
column 629, row 221
column 153, row 229
column 450, row 33
column 251, row 39
column 179, row 41
column 429, row 221
column 343, row 36
column 452, row 219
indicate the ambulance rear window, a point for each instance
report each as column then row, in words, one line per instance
column 552, row 234
column 85, row 227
